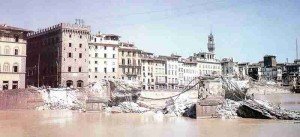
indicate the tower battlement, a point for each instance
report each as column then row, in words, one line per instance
column 62, row 26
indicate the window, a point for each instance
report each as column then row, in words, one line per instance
column 6, row 50
column 104, row 55
column 122, row 53
column 96, row 55
column 123, row 61
column 70, row 55
column 113, row 69
column 113, row 55
column 105, row 70
column 70, row 36
column 80, row 45
column 79, row 83
column 128, row 62
column 16, row 38
column 114, row 48
column 104, row 47
column 80, row 55
column 95, row 39
column 69, row 83
column 69, row 69
column 5, row 85
column 79, row 69
column 96, row 69
column 80, row 36
column 70, row 44
column 95, row 76
column 15, row 85
column 6, row 67
column 15, row 67
column 96, row 62
column 16, row 51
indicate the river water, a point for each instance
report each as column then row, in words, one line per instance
column 16, row 123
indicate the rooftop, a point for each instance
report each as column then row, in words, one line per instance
column 6, row 27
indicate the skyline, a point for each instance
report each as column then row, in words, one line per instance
column 240, row 28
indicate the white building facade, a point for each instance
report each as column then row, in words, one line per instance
column 103, row 57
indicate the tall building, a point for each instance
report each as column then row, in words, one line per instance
column 172, row 67
column 270, row 70
column 129, row 62
column 148, row 79
column 103, row 57
column 12, row 57
column 159, row 73
column 58, row 56
column 206, row 61
column 211, row 43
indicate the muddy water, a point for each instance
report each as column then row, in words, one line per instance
column 75, row 124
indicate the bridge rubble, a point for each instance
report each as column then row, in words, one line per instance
column 223, row 97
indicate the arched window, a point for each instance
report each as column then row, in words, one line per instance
column 16, row 51
column 69, row 83
column 6, row 67
column 79, row 83
column 7, row 50
column 15, row 67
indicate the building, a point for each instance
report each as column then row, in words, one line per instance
column 243, row 69
column 148, row 78
column 12, row 57
column 255, row 71
column 270, row 61
column 290, row 71
column 229, row 67
column 129, row 60
column 189, row 73
column 159, row 73
column 103, row 57
column 58, row 56
column 206, row 61
column 269, row 70
column 172, row 67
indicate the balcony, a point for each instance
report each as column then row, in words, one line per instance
column 130, row 66
column 131, row 73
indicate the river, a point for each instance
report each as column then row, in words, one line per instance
column 65, row 123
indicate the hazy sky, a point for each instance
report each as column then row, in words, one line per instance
column 244, row 30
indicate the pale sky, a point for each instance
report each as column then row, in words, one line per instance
column 244, row 29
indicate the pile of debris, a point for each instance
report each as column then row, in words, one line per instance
column 61, row 98
column 263, row 110
column 228, row 110
column 112, row 93
column 181, row 105
column 126, row 107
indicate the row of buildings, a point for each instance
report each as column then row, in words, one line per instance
column 66, row 55
column 268, row 69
